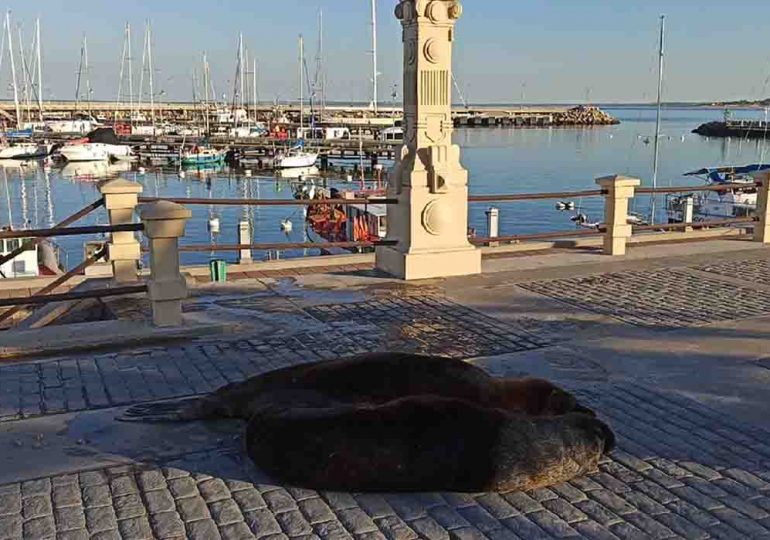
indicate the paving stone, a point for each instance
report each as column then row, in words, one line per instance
column 570, row 493
column 374, row 505
column 136, row 527
column 524, row 527
column 279, row 500
column 682, row 526
column 262, row 522
column 213, row 490
column 649, row 525
column 522, row 502
column 225, row 512
column 466, row 533
column 565, row 510
column 293, row 523
column 64, row 495
column 10, row 527
column 626, row 531
column 96, row 495
column 81, row 534
column 92, row 478
column 151, row 480
column 249, row 499
column 100, row 519
column 479, row 518
column 236, row 531
column 428, row 528
column 159, row 501
column 739, row 522
column 69, row 518
column 10, row 504
column 316, row 510
column 447, row 517
column 36, row 487
column 183, row 487
column 204, row 529
column 40, row 527
column 331, row 530
column 167, row 525
column 394, row 528
column 356, row 521
column 598, row 513
column 593, row 531
column 128, row 506
column 112, row 534
column 496, row 506
column 552, row 524
column 192, row 508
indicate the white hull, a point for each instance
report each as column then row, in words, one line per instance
column 71, row 126
column 95, row 152
column 25, row 151
column 296, row 161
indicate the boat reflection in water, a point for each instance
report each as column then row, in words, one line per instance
column 22, row 164
column 300, row 172
column 94, row 171
column 202, row 172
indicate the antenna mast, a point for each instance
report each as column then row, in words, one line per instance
column 375, row 71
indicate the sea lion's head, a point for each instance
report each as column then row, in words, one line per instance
column 537, row 397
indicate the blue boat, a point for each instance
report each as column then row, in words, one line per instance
column 202, row 155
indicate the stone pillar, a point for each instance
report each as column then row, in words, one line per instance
column 123, row 250
column 430, row 221
column 164, row 223
column 762, row 227
column 619, row 190
column 244, row 238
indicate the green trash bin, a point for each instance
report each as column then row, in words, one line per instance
column 218, row 270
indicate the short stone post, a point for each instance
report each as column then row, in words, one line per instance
column 762, row 227
column 689, row 212
column 123, row 250
column 164, row 223
column 244, row 238
column 493, row 224
column 619, row 190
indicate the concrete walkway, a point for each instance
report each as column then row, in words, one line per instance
column 669, row 344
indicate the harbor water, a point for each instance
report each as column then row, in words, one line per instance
column 500, row 161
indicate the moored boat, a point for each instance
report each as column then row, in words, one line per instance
column 100, row 145
column 201, row 156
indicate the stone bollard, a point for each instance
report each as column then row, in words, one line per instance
column 164, row 223
column 123, row 250
column 762, row 228
column 244, row 239
column 619, row 190
column 493, row 224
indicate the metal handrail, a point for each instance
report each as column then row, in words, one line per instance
column 685, row 189
column 695, row 224
column 72, row 231
column 283, row 245
column 539, row 236
column 537, row 196
column 269, row 202
column 63, row 223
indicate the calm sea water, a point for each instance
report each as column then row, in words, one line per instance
column 499, row 160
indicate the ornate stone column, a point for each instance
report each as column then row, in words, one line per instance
column 430, row 221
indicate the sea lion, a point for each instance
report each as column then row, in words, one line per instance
column 423, row 443
column 370, row 378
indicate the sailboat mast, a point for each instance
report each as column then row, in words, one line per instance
column 130, row 78
column 301, row 84
column 206, row 75
column 656, row 156
column 39, row 71
column 24, row 73
column 375, row 73
column 88, row 76
column 254, row 89
column 241, row 66
column 13, row 68
column 150, row 68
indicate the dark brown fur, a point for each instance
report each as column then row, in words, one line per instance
column 370, row 378
column 423, row 443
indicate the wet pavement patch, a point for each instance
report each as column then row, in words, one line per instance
column 426, row 324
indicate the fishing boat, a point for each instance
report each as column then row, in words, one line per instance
column 202, row 156
column 734, row 201
column 36, row 260
column 100, row 145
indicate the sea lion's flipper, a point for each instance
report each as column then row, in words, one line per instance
column 179, row 410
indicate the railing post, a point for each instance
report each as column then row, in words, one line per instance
column 619, row 190
column 762, row 228
column 123, row 250
column 164, row 223
column 493, row 224
column 244, row 238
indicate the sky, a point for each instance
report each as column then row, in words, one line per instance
column 544, row 51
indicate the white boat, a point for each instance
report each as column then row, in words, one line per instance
column 25, row 150
column 94, row 171
column 100, row 145
column 732, row 202
column 296, row 158
column 95, row 152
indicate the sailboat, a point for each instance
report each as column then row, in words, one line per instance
column 297, row 156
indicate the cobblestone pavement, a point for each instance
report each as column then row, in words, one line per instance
column 679, row 471
column 420, row 324
column 752, row 271
column 667, row 298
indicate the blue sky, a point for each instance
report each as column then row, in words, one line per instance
column 557, row 50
